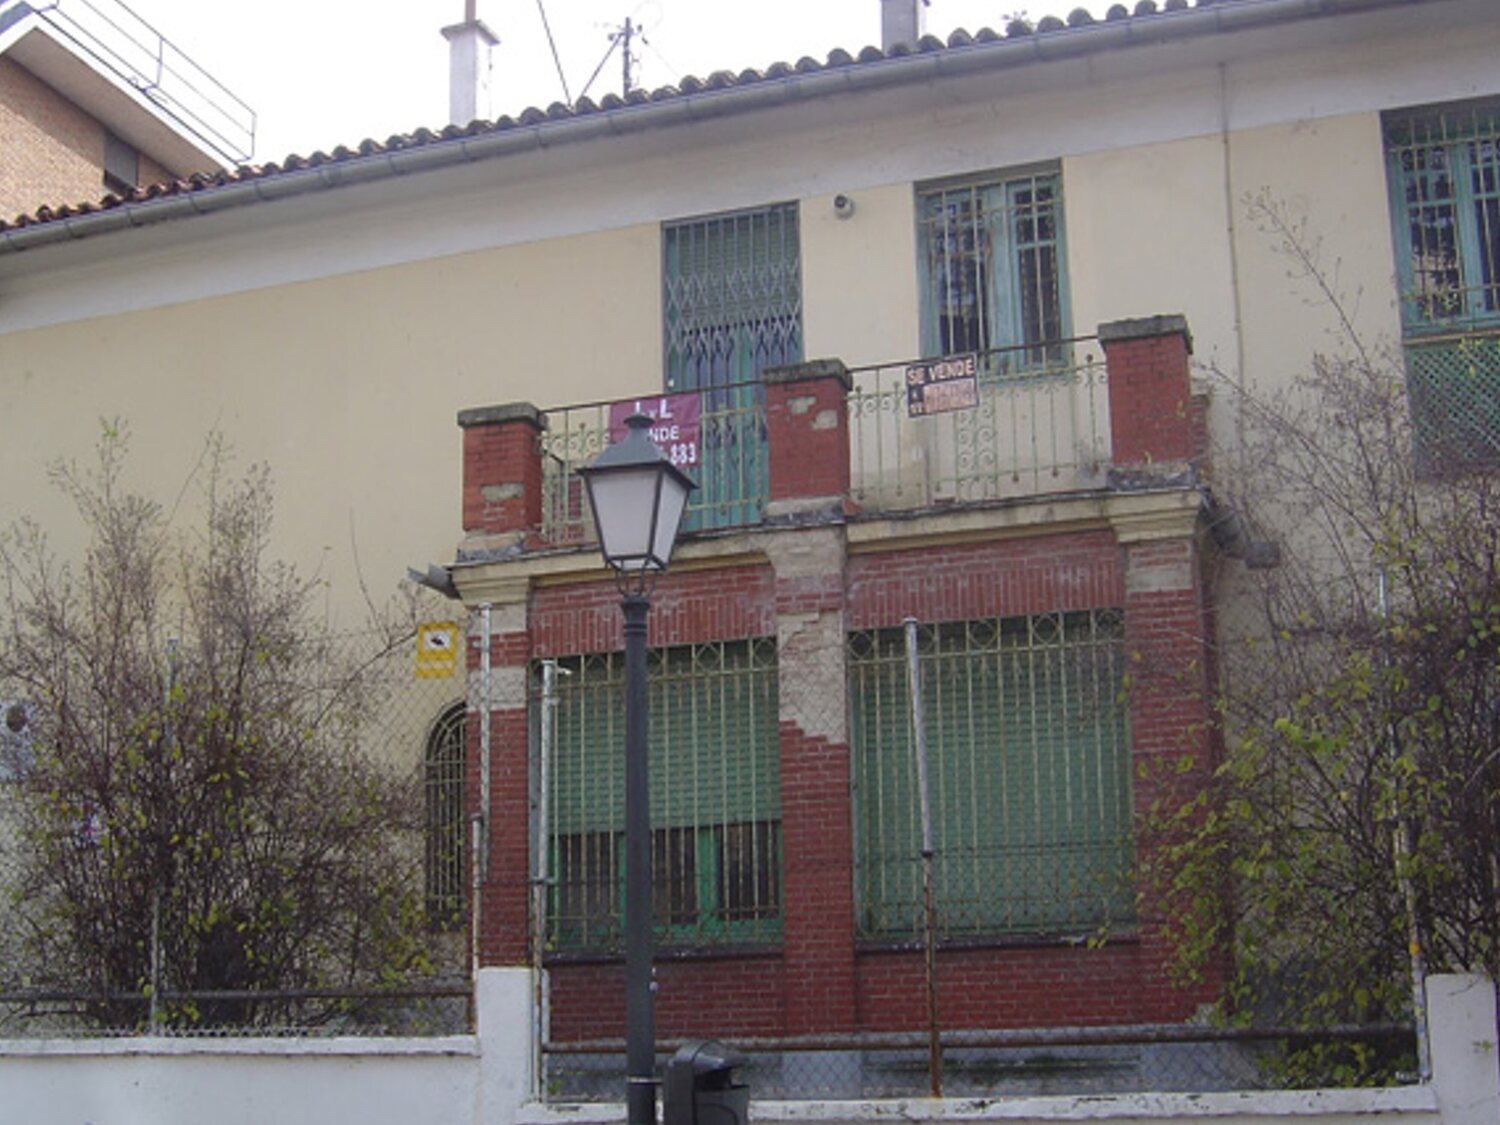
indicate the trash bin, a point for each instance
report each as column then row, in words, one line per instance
column 700, row 1086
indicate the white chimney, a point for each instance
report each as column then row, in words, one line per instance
column 469, row 45
column 902, row 22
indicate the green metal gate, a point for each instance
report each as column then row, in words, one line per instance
column 732, row 307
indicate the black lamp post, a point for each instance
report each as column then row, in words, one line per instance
column 638, row 498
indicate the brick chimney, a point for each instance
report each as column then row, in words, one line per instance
column 469, row 45
column 902, row 22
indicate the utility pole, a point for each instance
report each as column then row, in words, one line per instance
column 625, row 35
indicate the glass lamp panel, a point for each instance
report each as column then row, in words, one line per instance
column 674, row 494
column 622, row 503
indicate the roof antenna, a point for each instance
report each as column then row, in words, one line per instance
column 625, row 56
column 621, row 37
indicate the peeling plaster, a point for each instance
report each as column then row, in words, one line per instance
column 811, row 673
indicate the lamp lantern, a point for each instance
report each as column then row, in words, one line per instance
column 638, row 498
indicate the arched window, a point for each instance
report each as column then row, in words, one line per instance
column 443, row 790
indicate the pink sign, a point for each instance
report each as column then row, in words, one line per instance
column 674, row 424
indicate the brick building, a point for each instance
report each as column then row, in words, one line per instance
column 95, row 102
column 995, row 192
column 1063, row 640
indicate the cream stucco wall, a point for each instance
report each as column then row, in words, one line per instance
column 335, row 335
column 1240, row 232
column 860, row 277
column 1325, row 179
column 1147, row 233
column 348, row 387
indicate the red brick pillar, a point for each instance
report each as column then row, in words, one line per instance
column 502, row 472
column 807, row 424
column 1168, row 642
column 1152, row 416
column 505, row 889
column 816, row 827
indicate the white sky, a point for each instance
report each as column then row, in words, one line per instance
column 320, row 73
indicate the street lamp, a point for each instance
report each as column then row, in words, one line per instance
column 638, row 498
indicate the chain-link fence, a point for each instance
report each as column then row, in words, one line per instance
column 183, row 870
column 1053, row 1061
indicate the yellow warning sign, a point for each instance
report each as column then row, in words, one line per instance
column 437, row 650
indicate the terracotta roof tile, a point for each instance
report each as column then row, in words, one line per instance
column 1078, row 22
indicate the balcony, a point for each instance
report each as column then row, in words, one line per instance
column 819, row 436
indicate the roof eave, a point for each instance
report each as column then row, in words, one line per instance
column 538, row 132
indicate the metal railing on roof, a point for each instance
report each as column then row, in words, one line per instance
column 142, row 58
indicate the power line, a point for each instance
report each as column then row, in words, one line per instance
column 556, row 61
column 613, row 42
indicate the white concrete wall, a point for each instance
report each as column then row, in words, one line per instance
column 486, row 1079
column 447, row 1080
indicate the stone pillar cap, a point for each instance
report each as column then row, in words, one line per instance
column 1137, row 328
column 812, row 369
column 505, row 412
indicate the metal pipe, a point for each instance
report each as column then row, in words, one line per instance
column 640, row 1023
column 1107, row 1035
column 929, row 911
column 480, row 844
column 169, row 685
column 539, row 883
column 1401, row 842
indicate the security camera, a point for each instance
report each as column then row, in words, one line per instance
column 843, row 206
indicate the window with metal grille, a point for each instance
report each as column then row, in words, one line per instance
column 732, row 307
column 992, row 271
column 1028, row 774
column 1443, row 172
column 715, row 797
column 443, row 793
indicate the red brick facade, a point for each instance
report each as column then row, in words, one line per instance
column 819, row 979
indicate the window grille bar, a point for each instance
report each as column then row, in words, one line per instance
column 715, row 801
column 992, row 271
column 1443, row 169
column 1030, row 761
column 443, row 800
column 732, row 307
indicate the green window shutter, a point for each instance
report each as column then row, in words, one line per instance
column 992, row 271
column 1028, row 770
column 731, row 307
column 731, row 297
column 715, row 797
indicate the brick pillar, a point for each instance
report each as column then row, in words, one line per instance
column 1152, row 417
column 1169, row 653
column 502, row 473
column 503, row 927
column 816, row 827
column 807, row 423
